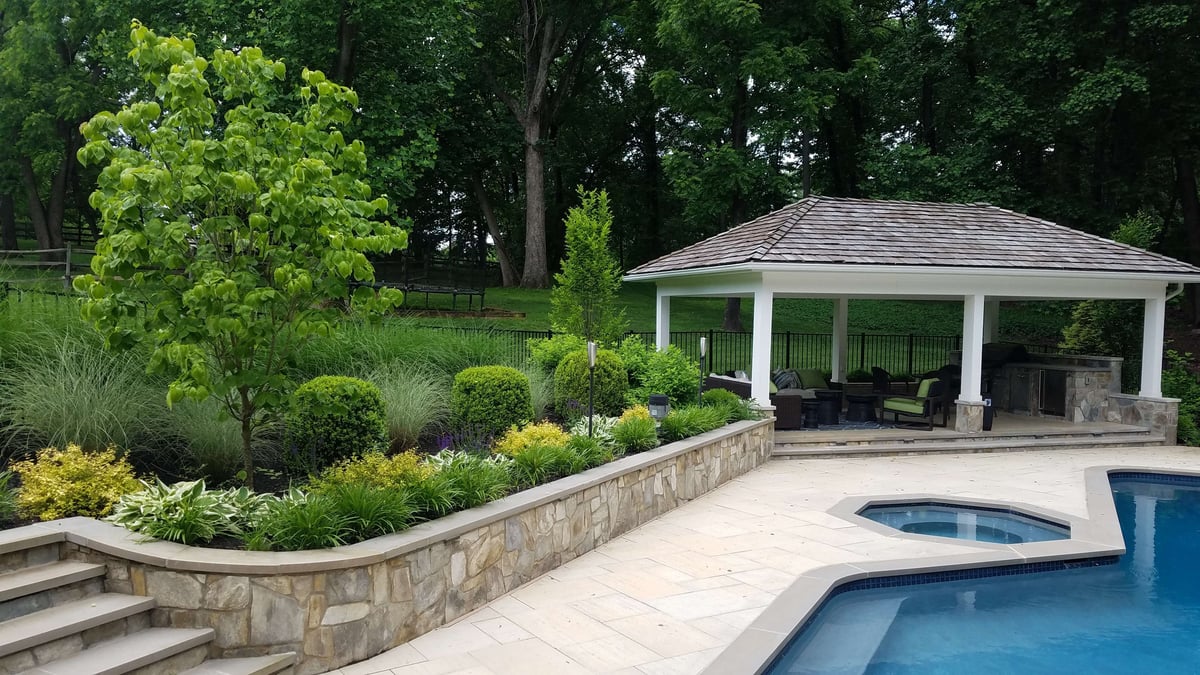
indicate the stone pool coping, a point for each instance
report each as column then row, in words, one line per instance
column 118, row 541
column 1097, row 535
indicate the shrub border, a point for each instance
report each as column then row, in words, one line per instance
column 385, row 610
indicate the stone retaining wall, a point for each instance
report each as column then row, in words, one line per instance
column 1159, row 415
column 337, row 606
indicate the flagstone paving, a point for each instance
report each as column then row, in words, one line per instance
column 667, row 597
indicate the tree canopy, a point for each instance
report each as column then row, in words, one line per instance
column 481, row 117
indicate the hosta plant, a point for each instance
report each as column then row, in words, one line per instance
column 188, row 512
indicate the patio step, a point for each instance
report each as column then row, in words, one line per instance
column 39, row 587
column 131, row 652
column 22, row 547
column 67, row 619
column 959, row 446
column 255, row 665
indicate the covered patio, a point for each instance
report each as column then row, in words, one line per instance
column 977, row 254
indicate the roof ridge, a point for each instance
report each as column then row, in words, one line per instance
column 709, row 240
column 1129, row 247
column 786, row 227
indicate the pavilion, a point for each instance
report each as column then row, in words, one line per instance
column 843, row 249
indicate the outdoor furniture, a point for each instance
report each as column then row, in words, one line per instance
column 930, row 397
column 787, row 407
column 812, row 412
column 861, row 407
column 830, row 405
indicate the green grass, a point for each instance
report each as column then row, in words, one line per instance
column 1036, row 321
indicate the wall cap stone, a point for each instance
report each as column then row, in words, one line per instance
column 120, row 542
column 1136, row 397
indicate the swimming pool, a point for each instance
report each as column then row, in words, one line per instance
column 1140, row 614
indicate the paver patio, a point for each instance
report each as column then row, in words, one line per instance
column 670, row 595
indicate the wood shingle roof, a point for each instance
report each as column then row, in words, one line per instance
column 828, row 230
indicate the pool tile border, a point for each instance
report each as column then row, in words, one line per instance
column 1094, row 539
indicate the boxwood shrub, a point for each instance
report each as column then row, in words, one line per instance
column 334, row 417
column 571, row 384
column 491, row 398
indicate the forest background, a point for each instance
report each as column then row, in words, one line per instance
column 482, row 116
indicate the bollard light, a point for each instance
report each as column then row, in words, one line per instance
column 660, row 407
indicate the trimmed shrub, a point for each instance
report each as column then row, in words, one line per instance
column 71, row 482
column 690, row 421
column 515, row 440
column 635, row 434
column 669, row 372
column 641, row 412
column 491, row 398
column 571, row 384
column 334, row 417
column 547, row 353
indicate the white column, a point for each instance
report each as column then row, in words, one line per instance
column 841, row 314
column 662, row 320
column 972, row 349
column 760, row 357
column 1152, row 346
column 991, row 320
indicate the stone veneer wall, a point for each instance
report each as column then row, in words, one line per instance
column 337, row 606
column 1160, row 415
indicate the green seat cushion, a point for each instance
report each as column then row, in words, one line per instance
column 904, row 405
column 774, row 389
column 811, row 378
column 923, row 389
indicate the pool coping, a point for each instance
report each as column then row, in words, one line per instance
column 1097, row 535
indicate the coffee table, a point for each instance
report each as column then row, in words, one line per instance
column 861, row 407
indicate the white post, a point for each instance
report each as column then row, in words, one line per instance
column 760, row 356
column 841, row 313
column 972, row 349
column 662, row 321
column 1152, row 346
column 991, row 320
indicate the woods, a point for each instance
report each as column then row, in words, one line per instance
column 482, row 118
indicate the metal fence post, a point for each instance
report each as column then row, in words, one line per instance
column 787, row 349
column 862, row 351
column 67, row 276
column 910, row 353
column 712, row 353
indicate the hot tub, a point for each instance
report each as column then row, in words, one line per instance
column 998, row 525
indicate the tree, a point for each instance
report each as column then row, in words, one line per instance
column 228, row 226
column 584, row 298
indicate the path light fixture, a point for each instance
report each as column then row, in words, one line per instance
column 660, row 407
column 591, row 384
column 703, row 353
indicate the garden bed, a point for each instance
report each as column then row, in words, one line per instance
column 337, row 606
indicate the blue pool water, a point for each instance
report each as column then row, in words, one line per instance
column 1140, row 614
column 998, row 526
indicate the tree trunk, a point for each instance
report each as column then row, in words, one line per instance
column 805, row 169
column 653, row 175
column 37, row 214
column 247, row 436
column 343, row 60
column 8, row 223
column 508, row 273
column 537, row 272
column 1185, row 181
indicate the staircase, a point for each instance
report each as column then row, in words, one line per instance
column 825, row 445
column 56, row 619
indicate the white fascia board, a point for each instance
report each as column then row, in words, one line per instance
column 930, row 282
column 742, row 284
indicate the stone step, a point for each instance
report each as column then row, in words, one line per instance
column 128, row 653
column 45, row 577
column 26, row 546
column 253, row 665
column 67, row 619
column 790, row 451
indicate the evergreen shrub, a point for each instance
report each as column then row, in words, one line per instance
column 491, row 398
column 333, row 417
column 571, row 384
column 72, row 482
